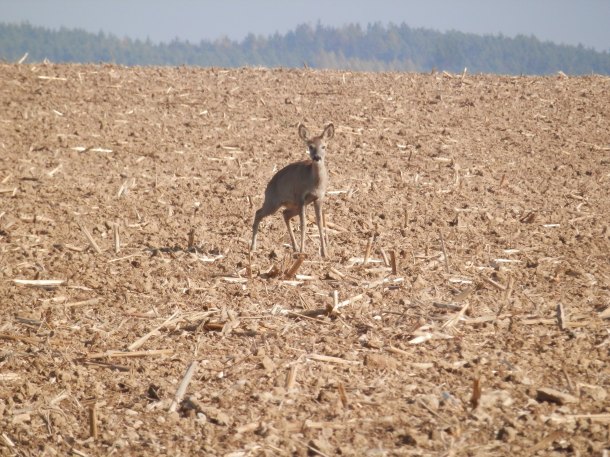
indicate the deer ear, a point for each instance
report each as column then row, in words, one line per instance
column 303, row 133
column 329, row 131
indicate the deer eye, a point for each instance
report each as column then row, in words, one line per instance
column 312, row 148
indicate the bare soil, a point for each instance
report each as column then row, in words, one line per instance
column 491, row 336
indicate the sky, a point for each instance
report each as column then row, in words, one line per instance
column 570, row 22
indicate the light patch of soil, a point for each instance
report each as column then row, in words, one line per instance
column 491, row 192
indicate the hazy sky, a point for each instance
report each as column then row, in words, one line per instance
column 585, row 22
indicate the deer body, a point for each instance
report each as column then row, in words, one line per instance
column 297, row 185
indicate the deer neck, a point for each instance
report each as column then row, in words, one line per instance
column 320, row 175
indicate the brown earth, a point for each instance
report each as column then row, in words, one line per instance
column 492, row 192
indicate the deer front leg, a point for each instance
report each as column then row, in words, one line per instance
column 302, row 217
column 320, row 221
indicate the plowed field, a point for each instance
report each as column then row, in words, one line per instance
column 126, row 204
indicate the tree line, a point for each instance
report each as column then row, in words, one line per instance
column 375, row 47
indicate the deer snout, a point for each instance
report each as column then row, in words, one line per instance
column 314, row 153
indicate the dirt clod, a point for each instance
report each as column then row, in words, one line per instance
column 380, row 361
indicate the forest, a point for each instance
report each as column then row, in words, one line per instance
column 375, row 47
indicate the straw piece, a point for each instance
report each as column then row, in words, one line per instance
column 191, row 238
column 90, row 302
column 333, row 309
column 140, row 341
column 103, row 355
column 7, row 377
column 349, row 301
column 453, row 321
column 396, row 350
column 336, row 274
column 561, row 316
column 78, row 453
column 445, row 257
column 545, row 442
column 309, row 314
column 291, row 377
column 343, row 395
column 112, row 366
column 476, row 393
column 493, row 283
column 603, row 417
column 190, row 372
column 393, row 262
column 330, row 359
column 386, row 260
column 116, row 238
column 118, row 259
column 367, row 252
column 234, row 280
column 93, row 429
column 7, row 440
column 39, row 282
column 291, row 272
column 25, row 339
column 92, row 242
column 51, row 78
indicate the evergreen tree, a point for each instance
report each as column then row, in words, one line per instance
column 376, row 47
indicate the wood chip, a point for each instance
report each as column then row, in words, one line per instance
column 555, row 396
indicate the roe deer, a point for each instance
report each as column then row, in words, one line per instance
column 297, row 185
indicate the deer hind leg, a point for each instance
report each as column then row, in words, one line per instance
column 263, row 212
column 257, row 219
column 320, row 221
column 289, row 213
